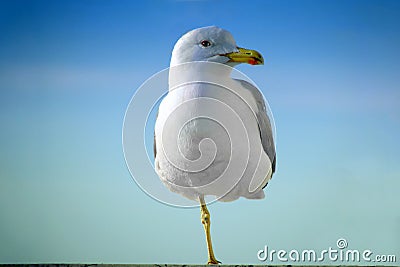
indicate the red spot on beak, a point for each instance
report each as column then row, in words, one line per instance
column 252, row 61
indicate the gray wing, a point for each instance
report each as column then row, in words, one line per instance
column 264, row 124
column 154, row 146
column 154, row 140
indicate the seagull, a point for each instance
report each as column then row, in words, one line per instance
column 213, row 137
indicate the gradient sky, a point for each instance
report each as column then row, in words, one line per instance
column 68, row 70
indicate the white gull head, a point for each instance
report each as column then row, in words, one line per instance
column 204, row 44
column 212, row 44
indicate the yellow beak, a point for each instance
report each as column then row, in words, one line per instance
column 245, row 56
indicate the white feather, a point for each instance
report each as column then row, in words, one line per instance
column 197, row 164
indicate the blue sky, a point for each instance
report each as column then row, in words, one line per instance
column 68, row 70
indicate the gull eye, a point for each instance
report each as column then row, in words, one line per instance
column 205, row 43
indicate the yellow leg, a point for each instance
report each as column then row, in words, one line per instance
column 205, row 220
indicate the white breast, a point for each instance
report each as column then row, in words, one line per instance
column 233, row 164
